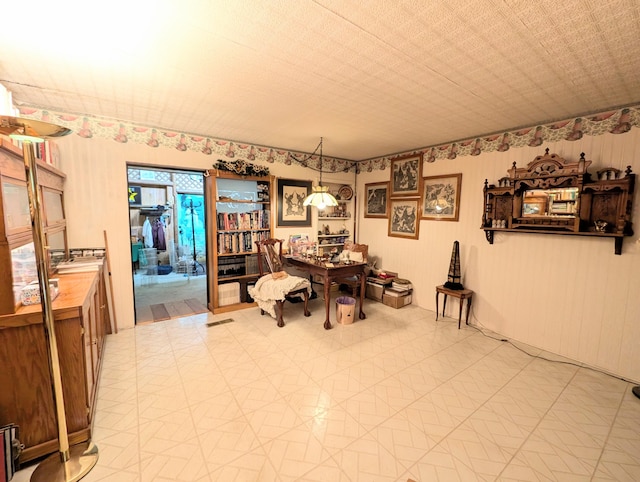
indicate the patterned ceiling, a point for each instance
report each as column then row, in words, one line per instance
column 373, row 78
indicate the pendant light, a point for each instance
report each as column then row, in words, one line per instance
column 70, row 463
column 320, row 196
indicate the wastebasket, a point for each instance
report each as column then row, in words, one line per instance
column 345, row 309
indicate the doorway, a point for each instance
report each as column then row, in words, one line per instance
column 168, row 242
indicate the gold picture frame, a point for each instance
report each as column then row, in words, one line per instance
column 404, row 218
column 406, row 176
column 441, row 197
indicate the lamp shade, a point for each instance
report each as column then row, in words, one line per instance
column 320, row 198
column 28, row 129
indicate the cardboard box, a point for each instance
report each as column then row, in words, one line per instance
column 374, row 291
column 397, row 301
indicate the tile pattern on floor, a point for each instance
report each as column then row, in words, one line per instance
column 392, row 397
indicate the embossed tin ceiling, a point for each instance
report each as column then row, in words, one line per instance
column 371, row 77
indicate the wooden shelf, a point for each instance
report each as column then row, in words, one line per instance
column 242, row 201
column 238, row 277
column 606, row 200
column 242, row 253
column 241, row 230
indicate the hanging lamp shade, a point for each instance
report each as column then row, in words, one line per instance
column 320, row 196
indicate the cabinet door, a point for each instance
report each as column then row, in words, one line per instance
column 53, row 208
column 15, row 200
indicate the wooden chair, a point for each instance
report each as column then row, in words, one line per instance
column 271, row 250
column 353, row 282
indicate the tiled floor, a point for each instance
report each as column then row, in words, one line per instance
column 392, row 397
column 170, row 290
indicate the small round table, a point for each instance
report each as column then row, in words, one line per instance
column 460, row 294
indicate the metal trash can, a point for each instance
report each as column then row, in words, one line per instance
column 345, row 309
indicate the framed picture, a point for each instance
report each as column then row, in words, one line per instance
column 404, row 218
column 406, row 174
column 376, row 197
column 135, row 195
column 441, row 197
column 291, row 194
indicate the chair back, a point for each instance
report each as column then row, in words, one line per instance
column 271, row 250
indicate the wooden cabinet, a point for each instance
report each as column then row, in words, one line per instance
column 16, row 257
column 239, row 210
column 81, row 317
column 555, row 196
column 336, row 223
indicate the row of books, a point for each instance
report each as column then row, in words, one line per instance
column 241, row 242
column 46, row 151
column 238, row 266
column 258, row 219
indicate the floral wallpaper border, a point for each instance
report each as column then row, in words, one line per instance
column 617, row 121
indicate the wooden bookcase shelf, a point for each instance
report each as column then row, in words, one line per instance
column 240, row 213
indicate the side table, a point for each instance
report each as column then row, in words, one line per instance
column 460, row 294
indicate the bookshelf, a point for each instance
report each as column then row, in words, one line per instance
column 240, row 207
column 336, row 224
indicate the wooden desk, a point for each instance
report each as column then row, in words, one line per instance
column 328, row 274
column 460, row 294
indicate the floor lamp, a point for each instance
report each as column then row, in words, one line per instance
column 70, row 464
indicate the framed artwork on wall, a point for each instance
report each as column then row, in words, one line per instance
column 406, row 174
column 135, row 195
column 404, row 218
column 291, row 195
column 376, row 200
column 441, row 197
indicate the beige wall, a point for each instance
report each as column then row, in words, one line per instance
column 587, row 309
column 95, row 199
column 569, row 295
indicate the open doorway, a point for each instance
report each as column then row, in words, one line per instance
column 168, row 242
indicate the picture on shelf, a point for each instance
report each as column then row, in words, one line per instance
column 404, row 220
column 406, row 174
column 376, row 195
column 291, row 195
column 441, row 197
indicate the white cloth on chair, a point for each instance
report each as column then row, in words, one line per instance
column 267, row 290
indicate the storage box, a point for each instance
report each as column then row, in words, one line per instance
column 397, row 301
column 30, row 294
column 228, row 294
column 374, row 291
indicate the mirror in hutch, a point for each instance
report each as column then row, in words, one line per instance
column 555, row 196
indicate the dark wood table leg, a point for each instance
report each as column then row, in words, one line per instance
column 468, row 308
column 460, row 312
column 444, row 304
column 327, row 302
column 437, row 296
column 363, row 285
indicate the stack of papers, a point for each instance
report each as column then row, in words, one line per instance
column 79, row 265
